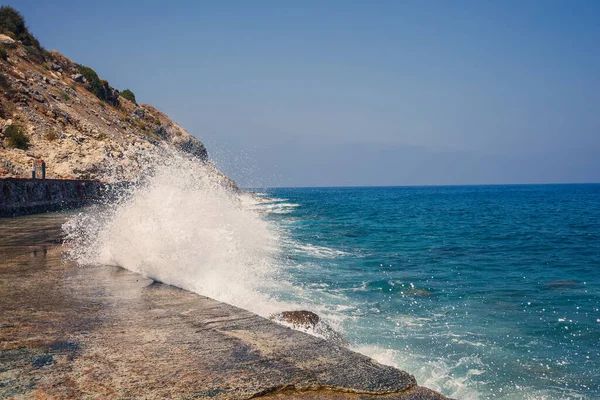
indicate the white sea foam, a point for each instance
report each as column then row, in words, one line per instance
column 277, row 208
column 434, row 374
column 268, row 205
column 181, row 225
column 317, row 251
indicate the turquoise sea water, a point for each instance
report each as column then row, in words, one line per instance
column 480, row 291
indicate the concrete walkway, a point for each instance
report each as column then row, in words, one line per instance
column 104, row 332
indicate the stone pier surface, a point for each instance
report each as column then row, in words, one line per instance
column 104, row 332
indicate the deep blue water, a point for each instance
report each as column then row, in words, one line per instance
column 479, row 291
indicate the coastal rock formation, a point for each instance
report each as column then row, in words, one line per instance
column 299, row 319
column 54, row 109
column 310, row 322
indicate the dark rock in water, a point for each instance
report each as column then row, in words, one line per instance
column 302, row 318
column 562, row 284
column 310, row 322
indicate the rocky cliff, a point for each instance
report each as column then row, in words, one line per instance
column 54, row 109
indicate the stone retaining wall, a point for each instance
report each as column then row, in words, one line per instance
column 31, row 196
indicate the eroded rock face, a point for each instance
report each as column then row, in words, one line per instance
column 309, row 322
column 78, row 135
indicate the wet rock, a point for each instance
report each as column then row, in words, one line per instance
column 193, row 147
column 303, row 319
column 310, row 322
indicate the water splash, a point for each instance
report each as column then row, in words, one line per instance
column 183, row 223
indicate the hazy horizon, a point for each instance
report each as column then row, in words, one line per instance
column 312, row 94
column 420, row 186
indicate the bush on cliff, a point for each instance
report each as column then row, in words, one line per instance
column 98, row 86
column 16, row 137
column 11, row 21
column 3, row 54
column 128, row 94
column 93, row 80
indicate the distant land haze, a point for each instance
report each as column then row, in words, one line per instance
column 345, row 93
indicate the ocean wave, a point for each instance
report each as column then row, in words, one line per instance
column 181, row 226
column 271, row 206
column 317, row 251
column 474, row 344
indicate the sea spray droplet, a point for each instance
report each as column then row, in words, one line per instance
column 182, row 224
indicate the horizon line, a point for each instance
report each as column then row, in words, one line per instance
column 420, row 186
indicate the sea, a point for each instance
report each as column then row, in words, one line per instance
column 480, row 292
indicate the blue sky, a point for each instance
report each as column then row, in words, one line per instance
column 327, row 93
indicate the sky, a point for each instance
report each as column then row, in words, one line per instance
column 356, row 93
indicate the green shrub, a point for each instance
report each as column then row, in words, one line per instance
column 16, row 137
column 128, row 94
column 12, row 21
column 93, row 81
column 65, row 96
column 3, row 54
column 98, row 86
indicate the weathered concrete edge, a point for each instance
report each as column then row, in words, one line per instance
column 406, row 388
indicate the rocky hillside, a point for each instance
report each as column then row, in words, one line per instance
column 54, row 109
